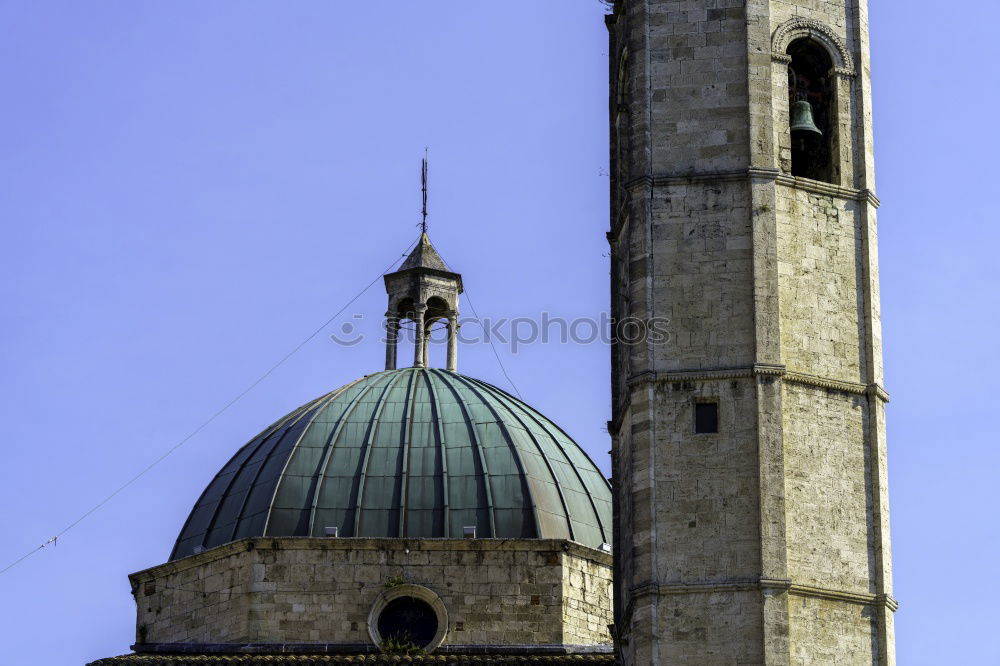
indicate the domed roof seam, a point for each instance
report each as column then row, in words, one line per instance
column 544, row 423
column 333, row 395
column 404, row 476
column 331, row 445
column 261, row 439
column 311, row 415
column 369, row 437
column 605, row 484
column 439, row 423
column 514, row 452
column 555, row 425
column 545, row 458
column 477, row 445
column 267, row 432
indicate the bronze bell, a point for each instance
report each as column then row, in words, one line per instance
column 802, row 119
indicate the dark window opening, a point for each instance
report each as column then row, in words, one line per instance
column 810, row 103
column 407, row 620
column 706, row 417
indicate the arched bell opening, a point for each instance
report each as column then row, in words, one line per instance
column 399, row 321
column 437, row 308
column 436, row 324
column 421, row 324
column 811, row 110
column 406, row 310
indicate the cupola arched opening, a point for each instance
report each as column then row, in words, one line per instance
column 437, row 320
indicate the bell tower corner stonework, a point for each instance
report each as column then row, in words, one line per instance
column 748, row 451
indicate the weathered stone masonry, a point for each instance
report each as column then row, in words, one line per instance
column 767, row 542
column 302, row 590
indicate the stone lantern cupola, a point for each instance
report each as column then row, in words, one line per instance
column 412, row 515
column 423, row 291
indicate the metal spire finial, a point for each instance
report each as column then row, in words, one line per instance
column 423, row 183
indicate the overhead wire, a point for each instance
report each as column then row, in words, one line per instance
column 503, row 369
column 54, row 539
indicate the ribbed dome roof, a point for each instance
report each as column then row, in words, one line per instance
column 406, row 453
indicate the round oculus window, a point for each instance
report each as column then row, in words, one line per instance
column 408, row 615
column 408, row 620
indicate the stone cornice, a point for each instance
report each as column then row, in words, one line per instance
column 755, row 173
column 757, row 370
column 370, row 543
column 860, row 598
column 665, row 589
column 314, row 650
column 659, row 179
column 826, row 382
column 191, row 561
column 888, row 601
column 879, row 392
column 615, row 424
column 764, row 584
column 763, row 173
column 829, row 189
column 654, row 377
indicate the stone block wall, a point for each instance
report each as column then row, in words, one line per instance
column 701, row 628
column 698, row 85
column 203, row 599
column 710, row 518
column 496, row 592
column 819, row 281
column 586, row 600
column 737, row 547
column 831, row 632
column 700, row 272
column 827, row 489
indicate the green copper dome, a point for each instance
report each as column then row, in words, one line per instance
column 406, row 453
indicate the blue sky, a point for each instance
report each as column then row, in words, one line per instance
column 188, row 189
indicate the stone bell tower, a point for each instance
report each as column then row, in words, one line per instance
column 749, row 449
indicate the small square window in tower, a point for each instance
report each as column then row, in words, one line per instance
column 706, row 417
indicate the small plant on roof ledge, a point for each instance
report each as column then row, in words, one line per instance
column 400, row 643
